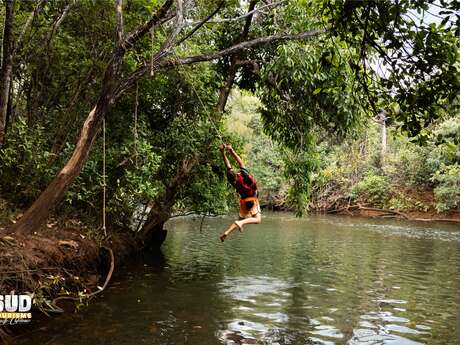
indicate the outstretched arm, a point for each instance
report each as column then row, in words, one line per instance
column 224, row 156
column 235, row 155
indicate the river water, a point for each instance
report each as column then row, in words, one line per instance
column 316, row 280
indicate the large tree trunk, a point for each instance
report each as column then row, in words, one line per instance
column 37, row 214
column 162, row 206
column 7, row 66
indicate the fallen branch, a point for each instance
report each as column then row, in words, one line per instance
column 346, row 208
column 383, row 210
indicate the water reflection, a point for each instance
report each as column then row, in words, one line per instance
column 321, row 280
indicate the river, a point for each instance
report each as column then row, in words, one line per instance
column 315, row 280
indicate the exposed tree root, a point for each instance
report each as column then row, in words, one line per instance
column 55, row 309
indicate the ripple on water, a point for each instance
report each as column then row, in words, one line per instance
column 327, row 331
column 247, row 288
column 384, row 316
column 373, row 337
column 416, row 232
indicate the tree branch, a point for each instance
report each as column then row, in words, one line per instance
column 225, row 90
column 58, row 23
column 169, row 42
column 26, row 26
column 227, row 20
column 239, row 47
column 200, row 24
column 156, row 19
column 167, row 45
column 119, row 21
column 139, row 73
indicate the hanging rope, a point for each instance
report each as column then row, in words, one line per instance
column 104, row 186
column 151, row 48
column 191, row 84
column 199, row 98
column 136, row 136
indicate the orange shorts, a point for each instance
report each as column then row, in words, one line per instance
column 246, row 212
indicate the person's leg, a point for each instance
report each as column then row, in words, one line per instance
column 256, row 219
column 227, row 232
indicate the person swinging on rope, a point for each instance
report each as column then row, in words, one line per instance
column 246, row 187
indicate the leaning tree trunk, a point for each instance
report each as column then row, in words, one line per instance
column 37, row 214
column 7, row 67
column 163, row 205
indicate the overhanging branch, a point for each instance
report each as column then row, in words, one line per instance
column 239, row 47
column 141, row 71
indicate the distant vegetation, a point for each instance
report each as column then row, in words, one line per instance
column 408, row 176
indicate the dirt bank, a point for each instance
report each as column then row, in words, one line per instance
column 58, row 260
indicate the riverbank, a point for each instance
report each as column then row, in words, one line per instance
column 405, row 203
column 452, row 216
column 64, row 258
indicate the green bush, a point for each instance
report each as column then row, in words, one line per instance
column 416, row 165
column 447, row 191
column 373, row 188
column 25, row 167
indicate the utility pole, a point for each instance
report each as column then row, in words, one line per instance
column 381, row 118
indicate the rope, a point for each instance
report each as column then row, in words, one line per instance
column 104, row 187
column 136, row 136
column 151, row 58
column 191, row 84
column 200, row 100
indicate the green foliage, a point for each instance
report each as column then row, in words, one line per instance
column 134, row 184
column 299, row 166
column 400, row 201
column 409, row 177
column 415, row 164
column 318, row 96
column 373, row 188
column 419, row 56
column 300, row 105
column 25, row 163
column 447, row 191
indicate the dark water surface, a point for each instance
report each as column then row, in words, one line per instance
column 317, row 280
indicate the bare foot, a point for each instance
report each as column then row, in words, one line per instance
column 223, row 237
column 238, row 224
